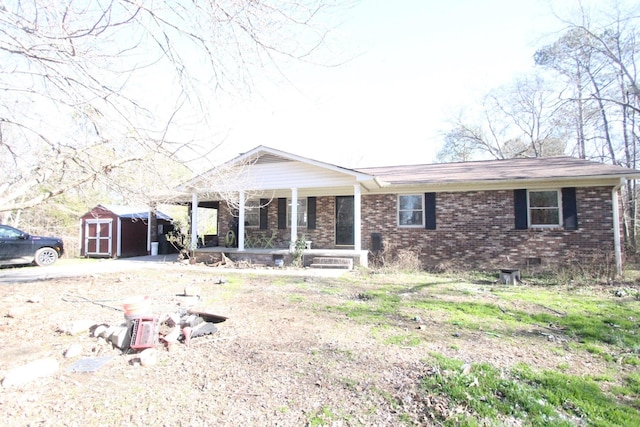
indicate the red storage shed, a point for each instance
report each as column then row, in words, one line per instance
column 114, row 231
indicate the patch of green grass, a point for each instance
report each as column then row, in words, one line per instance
column 372, row 306
column 595, row 349
column 592, row 320
column 469, row 314
column 404, row 340
column 331, row 290
column 537, row 398
column 322, row 417
column 630, row 390
column 296, row 298
column 350, row 383
column 582, row 396
column 631, row 359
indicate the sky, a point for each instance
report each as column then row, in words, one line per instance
column 413, row 64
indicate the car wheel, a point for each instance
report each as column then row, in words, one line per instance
column 46, row 256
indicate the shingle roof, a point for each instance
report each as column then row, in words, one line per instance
column 539, row 168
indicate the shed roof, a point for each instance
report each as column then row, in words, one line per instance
column 524, row 169
column 134, row 212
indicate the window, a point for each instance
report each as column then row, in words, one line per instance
column 302, row 212
column 544, row 208
column 411, row 210
column 252, row 213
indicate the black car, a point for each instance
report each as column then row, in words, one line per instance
column 18, row 247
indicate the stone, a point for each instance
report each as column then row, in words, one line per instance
column 100, row 331
column 191, row 320
column 24, row 374
column 120, row 337
column 17, row 312
column 173, row 319
column 148, row 357
column 73, row 351
column 173, row 336
column 77, row 326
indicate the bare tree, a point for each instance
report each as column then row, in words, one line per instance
column 93, row 89
column 520, row 119
column 597, row 54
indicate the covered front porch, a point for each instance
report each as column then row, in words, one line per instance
column 272, row 205
column 269, row 256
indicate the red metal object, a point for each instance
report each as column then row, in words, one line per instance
column 144, row 333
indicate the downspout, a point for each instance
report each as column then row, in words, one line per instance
column 616, row 227
column 148, row 232
column 194, row 222
column 118, row 238
column 241, row 220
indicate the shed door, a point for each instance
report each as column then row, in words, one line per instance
column 98, row 234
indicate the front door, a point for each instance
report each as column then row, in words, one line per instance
column 344, row 221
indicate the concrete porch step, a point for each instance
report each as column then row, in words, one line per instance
column 332, row 262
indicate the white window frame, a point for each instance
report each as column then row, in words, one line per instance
column 559, row 208
column 422, row 224
column 303, row 208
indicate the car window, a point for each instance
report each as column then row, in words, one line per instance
column 9, row 233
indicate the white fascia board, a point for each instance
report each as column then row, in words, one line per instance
column 248, row 156
column 500, row 185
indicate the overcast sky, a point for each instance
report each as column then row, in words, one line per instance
column 415, row 63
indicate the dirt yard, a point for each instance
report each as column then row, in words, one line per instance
column 280, row 359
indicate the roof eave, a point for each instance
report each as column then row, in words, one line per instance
column 585, row 181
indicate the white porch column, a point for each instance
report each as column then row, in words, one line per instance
column 148, row 233
column 294, row 218
column 357, row 217
column 241, row 220
column 194, row 220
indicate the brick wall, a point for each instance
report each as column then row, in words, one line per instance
column 322, row 237
column 476, row 229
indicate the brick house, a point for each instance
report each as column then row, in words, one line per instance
column 483, row 214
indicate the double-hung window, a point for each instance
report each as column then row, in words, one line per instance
column 252, row 213
column 302, row 212
column 545, row 209
column 411, row 210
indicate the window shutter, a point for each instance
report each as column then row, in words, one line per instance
column 520, row 209
column 311, row 213
column 282, row 213
column 264, row 214
column 569, row 208
column 430, row 211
